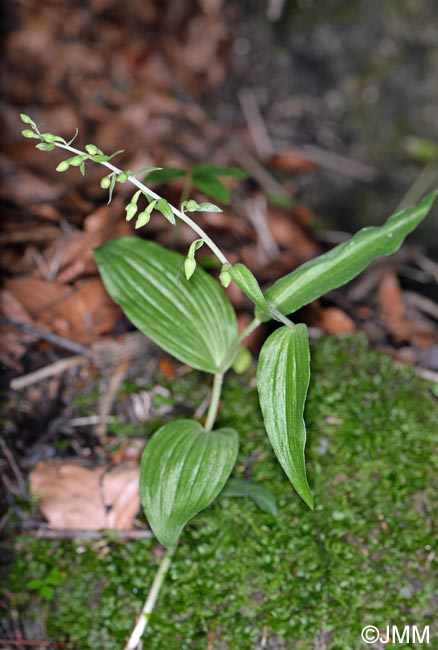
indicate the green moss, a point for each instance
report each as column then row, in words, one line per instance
column 363, row 556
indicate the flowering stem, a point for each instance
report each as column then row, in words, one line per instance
column 178, row 213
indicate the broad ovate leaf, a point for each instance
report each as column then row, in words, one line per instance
column 183, row 469
column 193, row 321
column 346, row 261
column 283, row 375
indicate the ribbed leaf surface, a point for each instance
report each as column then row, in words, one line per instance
column 283, row 375
column 344, row 262
column 183, row 469
column 192, row 320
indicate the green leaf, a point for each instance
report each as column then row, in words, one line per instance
column 183, row 469
column 165, row 175
column 212, row 187
column 214, row 170
column 283, row 375
column 116, row 153
column 424, row 150
column 209, row 207
column 73, row 138
column 164, row 207
column 193, row 321
column 111, row 187
column 263, row 497
column 346, row 261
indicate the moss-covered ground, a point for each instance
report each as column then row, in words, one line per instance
column 305, row 580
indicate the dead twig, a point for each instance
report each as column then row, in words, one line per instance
column 211, row 638
column 14, row 467
column 256, row 212
column 43, row 532
column 45, row 335
column 52, row 369
column 265, row 179
column 107, row 401
column 256, row 125
column 36, row 644
column 340, row 163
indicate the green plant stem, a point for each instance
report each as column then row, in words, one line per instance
column 149, row 605
column 242, row 336
column 214, row 402
column 178, row 213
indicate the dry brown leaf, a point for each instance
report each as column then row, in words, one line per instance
column 36, row 295
column 390, row 298
column 87, row 311
column 73, row 497
column 335, row 321
column 291, row 161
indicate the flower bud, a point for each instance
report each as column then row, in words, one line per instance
column 63, row 166
column 225, row 278
column 189, row 267
column 131, row 211
column 143, row 219
column 27, row 133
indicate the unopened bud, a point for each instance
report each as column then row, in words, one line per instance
column 63, row 166
column 225, row 279
column 143, row 219
column 131, row 211
column 28, row 133
column 189, row 267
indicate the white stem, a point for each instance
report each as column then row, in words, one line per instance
column 178, row 213
column 149, row 605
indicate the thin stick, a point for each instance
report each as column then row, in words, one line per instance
column 125, row 535
column 109, row 395
column 149, row 605
column 47, row 371
column 256, row 125
column 14, row 467
column 42, row 644
column 48, row 336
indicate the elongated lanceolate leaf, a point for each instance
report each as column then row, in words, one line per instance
column 283, row 375
column 236, row 487
column 344, row 262
column 183, row 469
column 192, row 320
